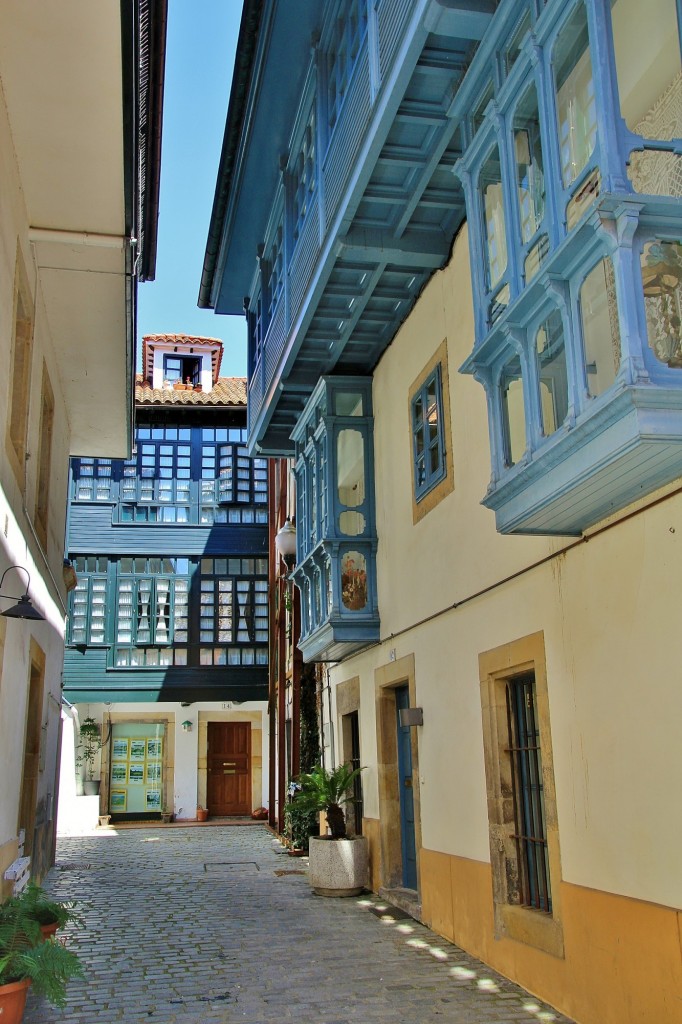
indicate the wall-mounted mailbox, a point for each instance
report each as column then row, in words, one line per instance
column 411, row 716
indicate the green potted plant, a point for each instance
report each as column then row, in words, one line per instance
column 338, row 862
column 34, row 905
column 299, row 825
column 27, row 959
column 89, row 746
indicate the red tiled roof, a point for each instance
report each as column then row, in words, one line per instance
column 179, row 341
column 226, row 391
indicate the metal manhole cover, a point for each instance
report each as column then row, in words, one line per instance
column 231, row 866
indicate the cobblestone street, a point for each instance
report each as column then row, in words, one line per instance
column 216, row 924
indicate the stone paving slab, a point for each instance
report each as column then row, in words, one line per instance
column 218, row 926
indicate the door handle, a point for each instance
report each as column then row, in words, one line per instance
column 229, row 764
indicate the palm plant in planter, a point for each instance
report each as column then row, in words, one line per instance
column 25, row 958
column 338, row 862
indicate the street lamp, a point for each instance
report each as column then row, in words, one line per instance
column 285, row 544
column 23, row 609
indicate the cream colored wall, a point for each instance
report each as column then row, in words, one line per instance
column 607, row 609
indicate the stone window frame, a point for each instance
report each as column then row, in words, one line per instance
column 535, row 928
column 423, row 503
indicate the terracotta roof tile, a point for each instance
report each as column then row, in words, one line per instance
column 228, row 391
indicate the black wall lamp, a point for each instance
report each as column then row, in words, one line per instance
column 23, row 609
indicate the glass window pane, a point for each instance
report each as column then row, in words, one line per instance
column 350, row 468
column 490, row 185
column 601, row 334
column 575, row 96
column 551, row 357
column 647, row 48
column 348, row 404
column 661, row 277
column 529, row 165
column 513, row 413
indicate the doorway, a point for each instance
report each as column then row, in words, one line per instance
column 29, row 784
column 228, row 760
column 407, row 831
column 398, row 776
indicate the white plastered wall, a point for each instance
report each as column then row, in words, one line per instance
column 186, row 753
column 18, row 545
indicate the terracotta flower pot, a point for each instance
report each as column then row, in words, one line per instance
column 49, row 930
column 202, row 814
column 13, row 1001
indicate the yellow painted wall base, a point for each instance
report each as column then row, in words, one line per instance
column 623, row 957
column 370, row 828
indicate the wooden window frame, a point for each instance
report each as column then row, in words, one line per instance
column 439, row 486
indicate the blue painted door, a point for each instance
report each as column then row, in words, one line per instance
column 409, row 846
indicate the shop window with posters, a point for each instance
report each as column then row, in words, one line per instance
column 137, row 768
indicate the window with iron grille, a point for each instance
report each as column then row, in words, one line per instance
column 525, row 855
column 530, row 833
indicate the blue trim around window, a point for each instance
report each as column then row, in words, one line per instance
column 428, row 444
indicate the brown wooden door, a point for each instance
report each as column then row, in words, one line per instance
column 229, row 768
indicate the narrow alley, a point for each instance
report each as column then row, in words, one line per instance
column 217, row 924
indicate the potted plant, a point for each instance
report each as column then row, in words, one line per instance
column 89, row 746
column 34, row 906
column 26, row 959
column 338, row 862
column 299, row 825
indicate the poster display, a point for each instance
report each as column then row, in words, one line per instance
column 137, row 750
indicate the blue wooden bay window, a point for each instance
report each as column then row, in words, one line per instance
column 336, row 534
column 573, row 181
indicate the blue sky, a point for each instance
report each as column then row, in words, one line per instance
column 202, row 38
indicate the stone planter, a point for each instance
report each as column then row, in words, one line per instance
column 338, row 867
column 91, row 787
